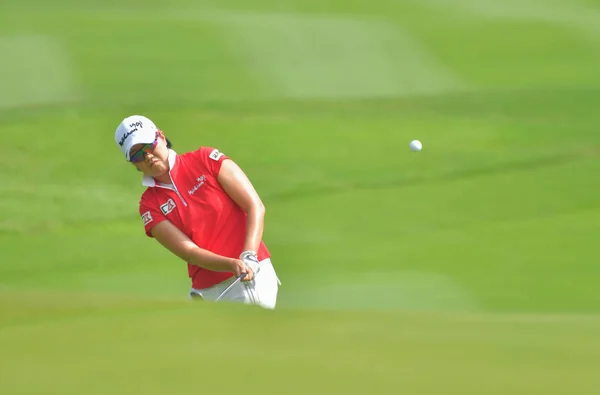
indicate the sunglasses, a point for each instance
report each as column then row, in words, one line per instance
column 140, row 154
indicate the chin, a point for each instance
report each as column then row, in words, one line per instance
column 158, row 171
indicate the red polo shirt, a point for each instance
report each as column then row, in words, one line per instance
column 197, row 204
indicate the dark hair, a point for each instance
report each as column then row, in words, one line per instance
column 169, row 145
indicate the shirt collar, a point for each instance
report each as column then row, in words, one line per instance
column 148, row 181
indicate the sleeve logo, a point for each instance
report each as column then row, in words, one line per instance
column 147, row 217
column 215, row 155
column 167, row 207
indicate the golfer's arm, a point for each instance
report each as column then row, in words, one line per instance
column 237, row 185
column 179, row 244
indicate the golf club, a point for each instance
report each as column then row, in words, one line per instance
column 237, row 280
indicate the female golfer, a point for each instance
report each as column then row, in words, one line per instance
column 201, row 206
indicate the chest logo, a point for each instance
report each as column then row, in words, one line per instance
column 167, row 207
column 201, row 180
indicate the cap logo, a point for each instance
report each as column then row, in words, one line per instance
column 133, row 128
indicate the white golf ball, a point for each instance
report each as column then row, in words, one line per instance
column 416, row 145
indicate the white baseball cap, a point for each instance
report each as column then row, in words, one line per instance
column 135, row 129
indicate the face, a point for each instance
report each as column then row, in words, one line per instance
column 155, row 161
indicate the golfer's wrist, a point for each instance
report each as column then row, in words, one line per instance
column 248, row 252
column 232, row 264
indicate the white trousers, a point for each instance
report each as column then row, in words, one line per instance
column 262, row 290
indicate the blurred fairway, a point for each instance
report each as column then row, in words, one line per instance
column 468, row 268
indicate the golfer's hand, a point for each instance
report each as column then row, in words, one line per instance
column 250, row 258
column 240, row 267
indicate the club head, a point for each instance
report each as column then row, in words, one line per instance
column 195, row 295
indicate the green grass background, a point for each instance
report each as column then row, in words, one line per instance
column 468, row 268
